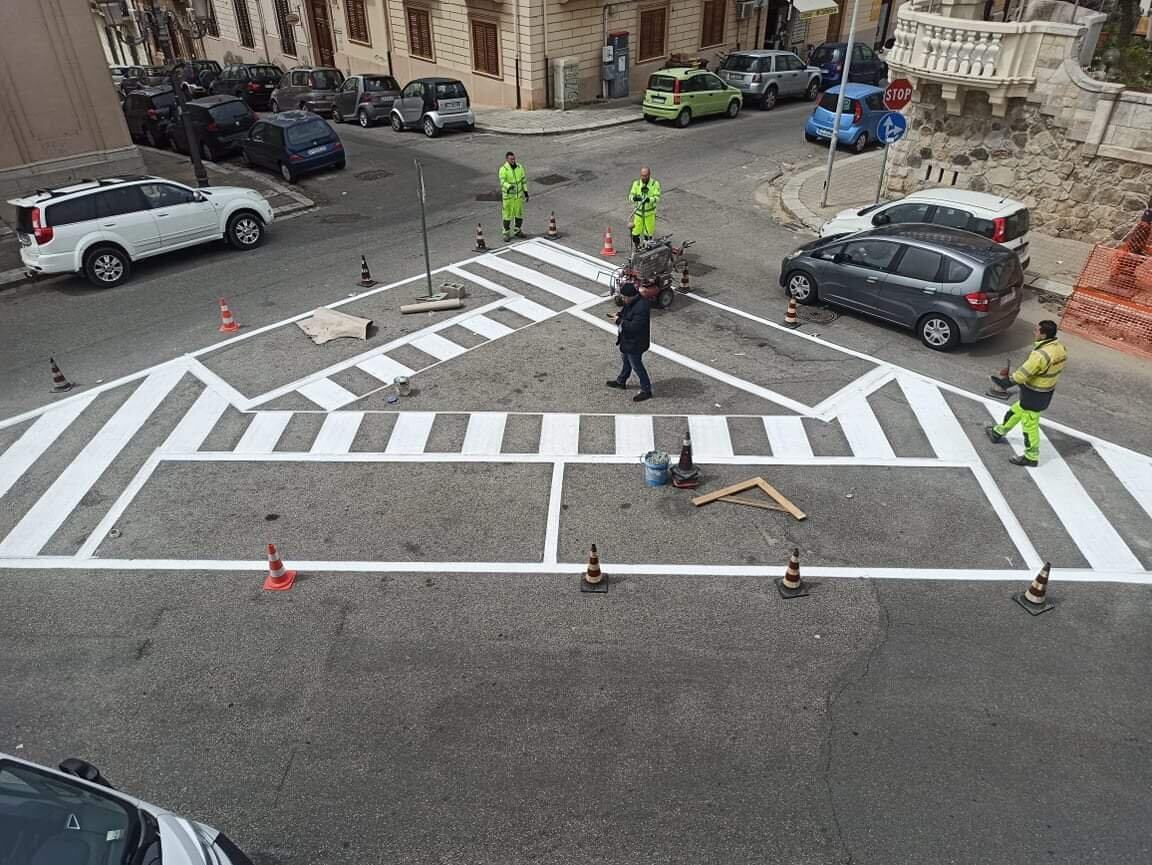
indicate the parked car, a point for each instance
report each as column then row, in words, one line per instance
column 220, row 122
column 203, row 73
column 368, row 98
column 154, row 76
column 100, row 227
column 863, row 110
column 308, row 88
column 683, row 94
column 252, row 82
column 765, row 76
column 948, row 285
column 149, row 113
column 293, row 143
column 433, row 104
column 867, row 67
column 74, row 816
column 1003, row 220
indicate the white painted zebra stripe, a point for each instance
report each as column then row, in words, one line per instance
column 486, row 327
column 37, row 439
column 864, row 433
column 1085, row 523
column 582, row 268
column 786, row 437
column 1135, row 472
column 485, row 433
column 560, row 435
column 196, row 423
column 384, row 368
column 45, row 517
column 410, row 434
column 634, row 435
column 530, row 309
column 327, row 394
column 263, row 432
column 710, row 437
column 570, row 293
column 437, row 346
column 935, row 417
column 338, row 432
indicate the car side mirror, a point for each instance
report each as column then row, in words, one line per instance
column 197, row 195
column 84, row 770
column 881, row 219
column 840, row 257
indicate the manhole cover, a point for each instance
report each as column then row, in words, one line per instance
column 337, row 218
column 697, row 269
column 374, row 174
column 817, row 315
column 488, row 196
column 551, row 179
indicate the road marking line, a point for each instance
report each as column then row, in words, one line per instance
column 485, row 433
column 338, row 432
column 787, row 437
column 37, row 439
column 552, row 527
column 937, row 419
column 593, row 272
column 1132, row 471
column 1007, row 516
column 604, row 459
column 263, row 432
column 486, row 327
column 384, row 368
column 327, row 394
column 197, row 422
column 93, row 541
column 410, row 433
column 710, row 436
column 437, row 346
column 862, row 429
column 634, row 435
column 559, row 434
column 866, row 384
column 1085, row 523
column 570, row 293
column 477, row 279
column 51, row 510
column 530, row 309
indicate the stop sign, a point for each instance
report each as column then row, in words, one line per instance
column 897, row 94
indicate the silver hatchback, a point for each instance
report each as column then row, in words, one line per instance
column 767, row 76
column 948, row 285
column 307, row 88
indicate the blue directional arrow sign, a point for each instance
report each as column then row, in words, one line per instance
column 892, row 127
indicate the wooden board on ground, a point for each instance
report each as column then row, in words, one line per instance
column 728, row 494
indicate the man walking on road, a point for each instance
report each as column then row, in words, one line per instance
column 645, row 196
column 513, row 194
column 1037, row 378
column 634, row 338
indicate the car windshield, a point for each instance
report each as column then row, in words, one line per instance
column 662, row 83
column 740, row 63
column 376, row 84
column 325, row 79
column 828, row 103
column 450, row 90
column 265, row 73
column 824, row 54
column 307, row 132
column 230, row 112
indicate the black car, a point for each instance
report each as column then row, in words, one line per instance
column 149, row 113
column 221, row 122
column 293, row 143
column 252, row 82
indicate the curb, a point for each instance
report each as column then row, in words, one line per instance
column 541, row 130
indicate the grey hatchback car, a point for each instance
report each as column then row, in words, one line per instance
column 307, row 88
column 767, row 76
column 367, row 98
column 948, row 285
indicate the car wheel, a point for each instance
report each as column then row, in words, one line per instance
column 812, row 138
column 342, row 164
column 337, row 117
column 664, row 298
column 206, row 153
column 733, row 108
column 813, row 90
column 397, row 123
column 245, row 230
column 107, row 266
column 287, row 173
column 650, row 118
column 938, row 332
column 768, row 100
column 684, row 118
column 430, row 128
column 275, row 106
column 801, row 286
column 861, row 143
column 365, row 120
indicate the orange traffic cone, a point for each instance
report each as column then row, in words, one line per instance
column 366, row 280
column 481, row 246
column 685, row 282
column 593, row 578
column 685, row 474
column 1035, row 600
column 608, row 249
column 552, row 232
column 790, row 319
column 790, row 585
column 59, row 383
column 227, row 322
column 279, row 578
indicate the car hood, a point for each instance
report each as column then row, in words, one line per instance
column 181, row 841
column 230, row 190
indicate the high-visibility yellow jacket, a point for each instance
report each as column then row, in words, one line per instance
column 1043, row 366
column 513, row 181
column 648, row 196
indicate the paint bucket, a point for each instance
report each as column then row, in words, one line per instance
column 655, row 468
column 403, row 386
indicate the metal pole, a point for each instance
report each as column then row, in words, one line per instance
column 424, row 226
column 840, row 102
column 189, row 132
column 883, row 168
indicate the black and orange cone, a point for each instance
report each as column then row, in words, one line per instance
column 1035, row 599
column 685, row 282
column 685, row 474
column 279, row 578
column 790, row 585
column 481, row 246
column 59, row 383
column 593, row 579
column 790, row 318
column 552, row 232
column 366, row 280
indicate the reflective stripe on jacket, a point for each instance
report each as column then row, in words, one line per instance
column 1043, row 366
column 645, row 205
column 513, row 181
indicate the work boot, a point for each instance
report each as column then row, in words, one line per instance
column 1024, row 461
column 640, row 397
column 619, row 385
column 993, row 435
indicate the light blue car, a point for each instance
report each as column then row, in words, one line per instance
column 863, row 110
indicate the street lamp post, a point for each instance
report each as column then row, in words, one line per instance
column 832, row 145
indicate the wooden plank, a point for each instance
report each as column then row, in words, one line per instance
column 726, row 491
column 781, row 499
column 736, row 500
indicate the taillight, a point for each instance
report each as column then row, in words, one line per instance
column 676, row 92
column 294, row 157
column 152, row 114
column 42, row 232
column 978, row 300
column 253, row 86
column 337, row 146
column 999, row 229
column 212, row 127
column 435, row 104
column 857, row 113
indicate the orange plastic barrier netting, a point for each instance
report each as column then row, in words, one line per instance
column 1119, row 273
column 1110, row 321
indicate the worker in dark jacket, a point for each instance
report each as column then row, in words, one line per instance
column 634, row 337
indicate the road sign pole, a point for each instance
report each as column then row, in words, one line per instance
column 424, row 226
column 840, row 102
column 883, row 170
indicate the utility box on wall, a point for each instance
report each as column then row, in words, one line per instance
column 565, row 82
column 615, row 65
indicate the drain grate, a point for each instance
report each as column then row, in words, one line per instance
column 551, row 179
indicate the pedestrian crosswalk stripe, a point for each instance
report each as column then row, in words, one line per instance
column 40, row 436
column 530, row 309
column 864, row 433
column 194, row 427
column 384, row 368
column 263, row 432
column 437, row 346
column 634, row 435
column 786, row 437
column 485, row 433
column 563, row 290
column 585, row 269
column 560, row 435
column 338, row 432
column 327, row 394
column 1134, row 472
column 940, row 425
column 410, row 434
column 486, row 327
column 710, row 437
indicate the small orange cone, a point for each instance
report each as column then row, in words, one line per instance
column 685, row 282
column 685, row 474
column 592, row 579
column 790, row 585
column 279, row 578
column 366, row 280
column 608, row 249
column 481, row 246
column 227, row 322
column 790, row 319
column 552, row 232
column 59, row 383
column 1035, row 600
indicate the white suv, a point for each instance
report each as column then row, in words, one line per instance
column 99, row 227
column 1002, row 220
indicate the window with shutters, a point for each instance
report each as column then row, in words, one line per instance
column 419, row 33
column 286, row 30
column 653, row 28
column 357, row 21
column 712, row 23
column 212, row 27
column 244, row 23
column 486, row 48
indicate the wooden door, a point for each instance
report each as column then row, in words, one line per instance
column 322, row 32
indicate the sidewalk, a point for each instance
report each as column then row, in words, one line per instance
column 600, row 115
column 1056, row 261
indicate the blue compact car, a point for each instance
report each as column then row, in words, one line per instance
column 863, row 110
column 293, row 143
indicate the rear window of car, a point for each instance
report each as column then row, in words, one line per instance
column 230, row 112
column 375, row 85
column 325, row 79
column 662, row 83
column 823, row 54
column 744, row 63
column 265, row 73
column 164, row 100
column 74, row 210
column 828, row 103
column 1000, row 276
column 310, row 130
column 451, row 90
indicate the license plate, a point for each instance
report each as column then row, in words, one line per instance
column 657, row 98
column 823, row 133
column 313, row 151
column 449, row 105
column 1008, row 297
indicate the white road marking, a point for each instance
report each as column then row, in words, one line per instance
column 1135, row 472
column 866, row 384
column 485, row 433
column 51, row 510
column 486, row 327
column 476, row 279
column 787, row 437
column 194, row 427
column 37, row 439
column 560, row 434
column 338, row 432
column 936, row 418
column 1007, row 516
column 327, row 394
column 570, row 293
column 1085, row 523
column 552, row 527
column 634, row 435
column 437, row 346
column 530, row 309
column 263, row 432
column 710, row 437
column 410, row 434
column 384, row 368
column 592, row 271
column 864, row 433
column 98, row 535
